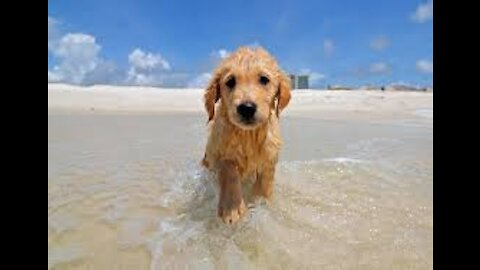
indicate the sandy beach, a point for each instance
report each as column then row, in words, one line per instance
column 126, row 99
column 353, row 190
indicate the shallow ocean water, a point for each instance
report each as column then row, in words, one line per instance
column 127, row 192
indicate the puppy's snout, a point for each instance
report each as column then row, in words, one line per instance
column 247, row 110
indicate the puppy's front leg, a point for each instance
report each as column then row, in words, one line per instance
column 263, row 186
column 231, row 206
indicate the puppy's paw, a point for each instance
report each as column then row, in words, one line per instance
column 231, row 211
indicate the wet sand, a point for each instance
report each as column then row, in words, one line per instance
column 353, row 190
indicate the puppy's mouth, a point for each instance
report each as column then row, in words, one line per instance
column 246, row 123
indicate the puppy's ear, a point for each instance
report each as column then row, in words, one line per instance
column 283, row 93
column 212, row 95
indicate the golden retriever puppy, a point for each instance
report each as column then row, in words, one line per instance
column 244, row 99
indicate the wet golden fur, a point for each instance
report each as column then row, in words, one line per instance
column 236, row 150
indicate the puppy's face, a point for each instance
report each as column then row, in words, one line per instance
column 248, row 91
column 249, row 82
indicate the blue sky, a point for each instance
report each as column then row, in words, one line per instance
column 178, row 43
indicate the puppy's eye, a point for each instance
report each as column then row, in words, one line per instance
column 231, row 82
column 264, row 80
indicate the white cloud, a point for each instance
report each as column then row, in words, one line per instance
column 213, row 59
column 314, row 77
column 223, row 53
column 78, row 55
column 423, row 13
column 77, row 58
column 379, row 43
column 143, row 79
column 146, row 68
column 78, row 62
column 201, row 81
column 424, row 66
column 220, row 54
column 379, row 68
column 105, row 72
column 328, row 47
column 147, row 61
column 53, row 77
column 77, row 45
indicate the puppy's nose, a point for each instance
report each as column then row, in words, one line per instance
column 247, row 110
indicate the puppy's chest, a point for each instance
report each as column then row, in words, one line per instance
column 249, row 152
column 245, row 149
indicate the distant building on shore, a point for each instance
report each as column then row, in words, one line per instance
column 338, row 87
column 370, row 87
column 393, row 87
column 299, row 81
column 403, row 87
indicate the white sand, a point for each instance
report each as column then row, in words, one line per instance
column 117, row 98
column 149, row 99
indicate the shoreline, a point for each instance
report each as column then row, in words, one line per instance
column 67, row 99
